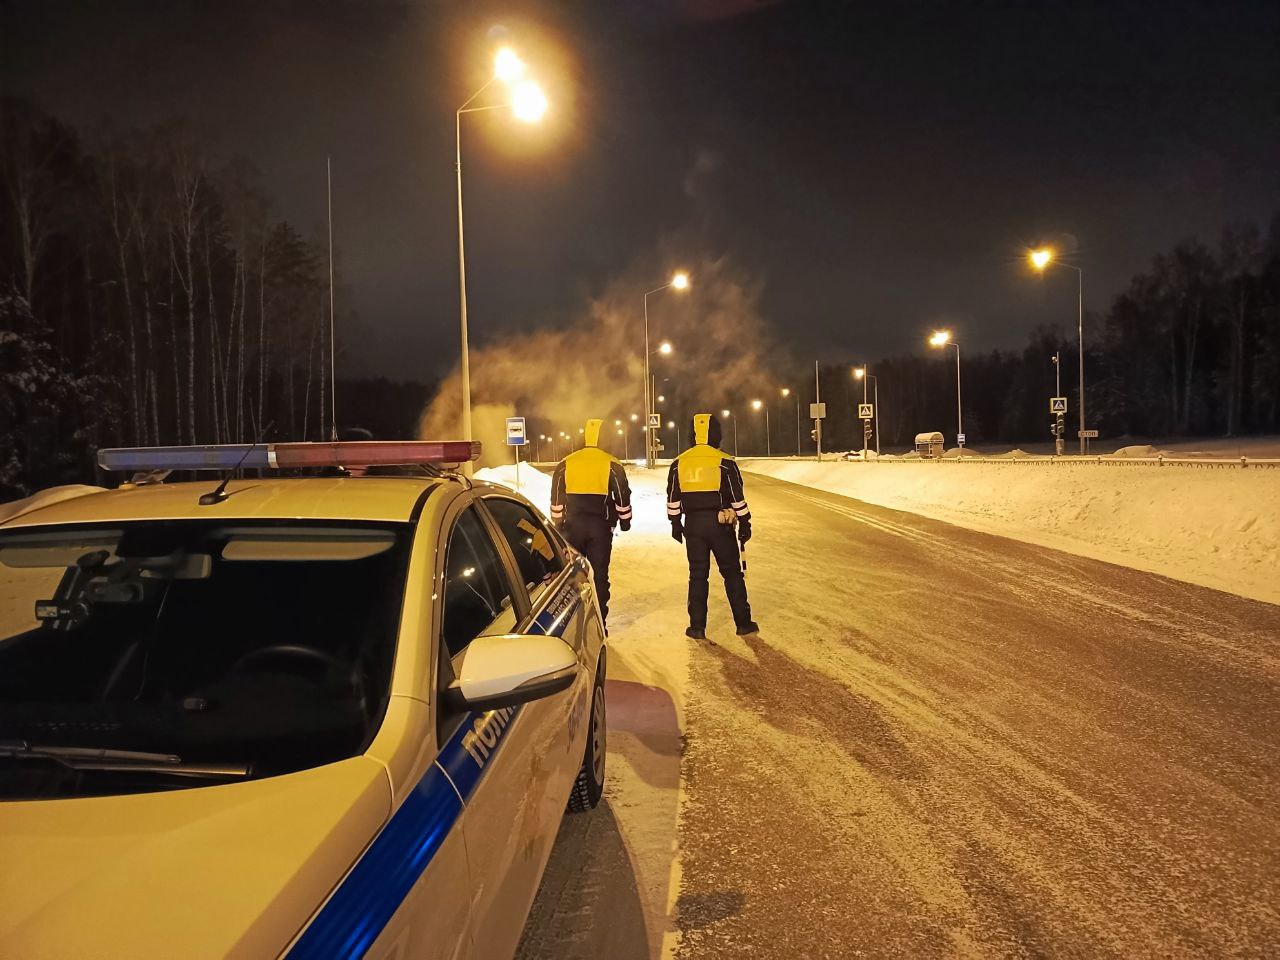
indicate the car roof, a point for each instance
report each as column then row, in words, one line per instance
column 269, row 498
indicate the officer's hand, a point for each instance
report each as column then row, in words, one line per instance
column 677, row 531
column 625, row 525
column 744, row 531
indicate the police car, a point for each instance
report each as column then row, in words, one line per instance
column 302, row 716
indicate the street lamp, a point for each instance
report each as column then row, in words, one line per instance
column 727, row 415
column 860, row 373
column 671, row 425
column 528, row 104
column 786, row 392
column 942, row 338
column 623, row 434
column 679, row 281
column 761, row 405
column 1040, row 260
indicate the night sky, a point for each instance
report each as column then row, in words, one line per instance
column 877, row 167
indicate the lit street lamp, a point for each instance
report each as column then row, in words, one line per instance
column 942, row 338
column 768, row 444
column 679, row 281
column 860, row 373
column 528, row 104
column 727, row 415
column 626, row 455
column 786, row 392
column 1040, row 260
column 671, row 425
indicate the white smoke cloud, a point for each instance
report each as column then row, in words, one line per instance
column 593, row 366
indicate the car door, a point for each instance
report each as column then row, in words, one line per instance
column 506, row 764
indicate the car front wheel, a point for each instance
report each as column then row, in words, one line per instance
column 589, row 786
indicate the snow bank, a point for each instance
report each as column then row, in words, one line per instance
column 1218, row 527
column 533, row 484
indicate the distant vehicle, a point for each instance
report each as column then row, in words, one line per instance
column 335, row 716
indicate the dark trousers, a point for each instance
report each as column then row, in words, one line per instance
column 704, row 535
column 593, row 538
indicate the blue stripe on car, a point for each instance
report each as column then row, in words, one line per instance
column 364, row 903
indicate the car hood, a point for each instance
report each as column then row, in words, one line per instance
column 224, row 871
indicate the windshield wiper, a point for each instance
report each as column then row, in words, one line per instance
column 124, row 761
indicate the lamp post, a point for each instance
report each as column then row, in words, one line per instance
column 672, row 425
column 761, row 405
column 942, row 338
column 786, row 392
column 1040, row 260
column 727, row 415
column 528, row 104
column 679, row 281
column 860, row 373
column 623, row 434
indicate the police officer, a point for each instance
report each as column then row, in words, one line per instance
column 705, row 486
column 589, row 495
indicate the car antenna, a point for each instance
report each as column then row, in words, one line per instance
column 219, row 494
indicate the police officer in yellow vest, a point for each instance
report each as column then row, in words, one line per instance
column 705, row 486
column 589, row 494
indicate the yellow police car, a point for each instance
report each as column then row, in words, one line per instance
column 303, row 716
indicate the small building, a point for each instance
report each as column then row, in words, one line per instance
column 929, row 445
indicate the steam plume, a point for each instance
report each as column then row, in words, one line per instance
column 593, row 366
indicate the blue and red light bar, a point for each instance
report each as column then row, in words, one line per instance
column 290, row 456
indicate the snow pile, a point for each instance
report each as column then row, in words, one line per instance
column 1217, row 527
column 533, row 484
column 1139, row 451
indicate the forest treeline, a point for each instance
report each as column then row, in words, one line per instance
column 1190, row 348
column 147, row 296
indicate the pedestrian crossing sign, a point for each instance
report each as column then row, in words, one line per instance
column 865, row 411
column 1057, row 404
column 655, row 421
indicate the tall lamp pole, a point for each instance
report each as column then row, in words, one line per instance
column 768, row 443
column 786, row 392
column 727, row 416
column 942, row 338
column 528, row 103
column 1040, row 260
column 860, row 373
column 679, row 281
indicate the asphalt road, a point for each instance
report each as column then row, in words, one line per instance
column 942, row 744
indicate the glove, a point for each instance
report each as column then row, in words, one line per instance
column 744, row 531
column 625, row 525
column 677, row 531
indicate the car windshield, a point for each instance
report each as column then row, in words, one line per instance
column 155, row 655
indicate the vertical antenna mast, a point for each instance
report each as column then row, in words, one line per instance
column 333, row 366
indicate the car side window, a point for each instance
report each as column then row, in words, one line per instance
column 477, row 592
column 536, row 551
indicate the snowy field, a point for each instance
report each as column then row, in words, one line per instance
column 1217, row 527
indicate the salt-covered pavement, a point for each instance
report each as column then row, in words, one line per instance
column 943, row 743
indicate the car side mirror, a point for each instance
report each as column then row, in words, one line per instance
column 501, row 671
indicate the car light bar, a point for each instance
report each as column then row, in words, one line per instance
column 284, row 456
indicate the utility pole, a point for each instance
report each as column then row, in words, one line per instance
column 333, row 366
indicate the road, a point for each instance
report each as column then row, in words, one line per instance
column 942, row 744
